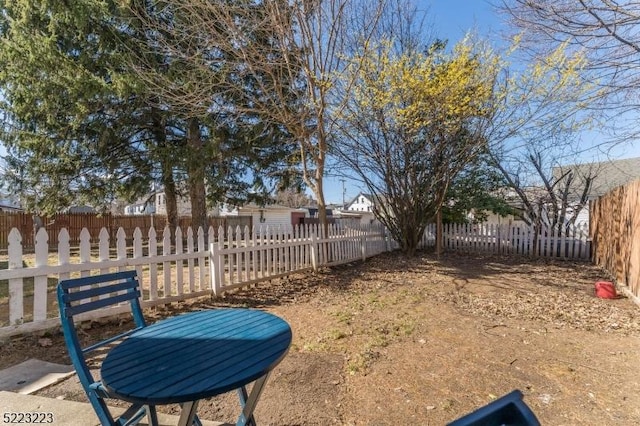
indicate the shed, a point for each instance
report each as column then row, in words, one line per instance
column 271, row 215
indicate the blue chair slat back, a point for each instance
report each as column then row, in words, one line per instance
column 76, row 297
column 509, row 409
column 80, row 295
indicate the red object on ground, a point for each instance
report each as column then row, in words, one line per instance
column 606, row 290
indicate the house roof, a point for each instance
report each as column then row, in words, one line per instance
column 607, row 175
column 360, row 194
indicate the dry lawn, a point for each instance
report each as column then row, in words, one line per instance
column 424, row 341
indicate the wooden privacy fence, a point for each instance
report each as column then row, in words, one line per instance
column 168, row 272
column 28, row 224
column 615, row 232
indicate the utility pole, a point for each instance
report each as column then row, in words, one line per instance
column 343, row 192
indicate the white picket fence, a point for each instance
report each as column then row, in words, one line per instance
column 513, row 240
column 191, row 267
column 197, row 265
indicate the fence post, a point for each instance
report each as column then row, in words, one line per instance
column 40, row 282
column 363, row 246
column 152, row 251
column 314, row 251
column 214, row 262
column 16, row 287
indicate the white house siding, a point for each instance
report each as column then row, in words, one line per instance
column 272, row 218
column 139, row 209
column 496, row 219
column 184, row 206
column 492, row 218
column 583, row 216
column 273, row 215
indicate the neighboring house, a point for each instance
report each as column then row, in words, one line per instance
column 362, row 217
column 156, row 203
column 361, row 203
column 140, row 207
column 183, row 204
column 271, row 215
column 605, row 176
column 513, row 200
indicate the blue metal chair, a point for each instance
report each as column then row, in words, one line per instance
column 507, row 410
column 82, row 295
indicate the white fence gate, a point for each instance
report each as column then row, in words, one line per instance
column 197, row 264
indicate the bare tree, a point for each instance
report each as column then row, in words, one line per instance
column 550, row 192
column 290, row 54
column 538, row 115
column 606, row 32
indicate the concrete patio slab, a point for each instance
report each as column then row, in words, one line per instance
column 32, row 375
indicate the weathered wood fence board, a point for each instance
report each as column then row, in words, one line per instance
column 28, row 224
column 615, row 232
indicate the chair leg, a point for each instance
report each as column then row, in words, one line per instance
column 134, row 414
column 249, row 404
column 100, row 408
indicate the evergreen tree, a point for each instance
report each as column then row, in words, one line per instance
column 86, row 128
column 81, row 129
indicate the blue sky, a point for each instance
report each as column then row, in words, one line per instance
column 452, row 19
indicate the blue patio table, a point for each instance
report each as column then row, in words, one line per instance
column 198, row 355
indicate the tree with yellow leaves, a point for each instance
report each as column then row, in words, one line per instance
column 416, row 120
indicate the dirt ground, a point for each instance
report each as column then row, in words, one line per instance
column 423, row 341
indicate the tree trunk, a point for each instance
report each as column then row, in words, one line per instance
column 171, row 198
column 439, row 239
column 168, row 182
column 537, row 228
column 195, row 170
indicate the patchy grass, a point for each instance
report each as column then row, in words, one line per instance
column 426, row 340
